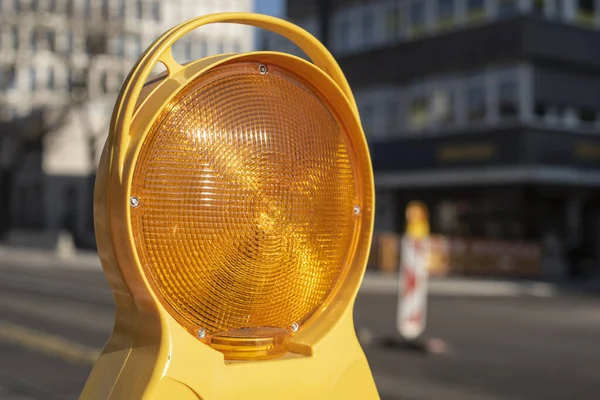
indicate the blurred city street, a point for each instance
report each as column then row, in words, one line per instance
column 500, row 339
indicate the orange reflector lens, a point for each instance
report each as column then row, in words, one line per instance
column 247, row 192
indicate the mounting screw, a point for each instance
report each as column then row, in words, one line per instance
column 201, row 333
column 295, row 327
column 262, row 68
column 134, row 201
column 356, row 209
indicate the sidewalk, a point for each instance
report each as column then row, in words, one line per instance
column 33, row 258
column 373, row 282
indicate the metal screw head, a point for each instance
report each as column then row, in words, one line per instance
column 201, row 333
column 134, row 201
column 356, row 209
column 295, row 327
column 262, row 68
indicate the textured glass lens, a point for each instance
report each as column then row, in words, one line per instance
column 246, row 201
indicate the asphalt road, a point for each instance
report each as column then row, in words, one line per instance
column 510, row 347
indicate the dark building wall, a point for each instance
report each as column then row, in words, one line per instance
column 521, row 39
column 556, row 85
column 493, row 148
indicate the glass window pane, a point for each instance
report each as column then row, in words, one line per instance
column 586, row 9
column 32, row 78
column 51, row 78
column 156, row 10
column 138, row 9
column 538, row 7
column 345, row 34
column 393, row 20
column 476, row 105
column 507, row 8
column 367, row 115
column 446, row 11
column 588, row 115
column 391, row 115
column 418, row 114
column 442, row 106
column 475, row 9
column 508, row 99
column 367, row 27
column 15, row 37
column 417, row 14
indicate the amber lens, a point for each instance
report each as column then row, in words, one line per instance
column 246, row 201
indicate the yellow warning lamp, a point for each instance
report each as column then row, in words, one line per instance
column 234, row 214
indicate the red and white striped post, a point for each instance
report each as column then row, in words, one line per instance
column 414, row 261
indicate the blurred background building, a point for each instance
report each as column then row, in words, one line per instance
column 62, row 63
column 487, row 110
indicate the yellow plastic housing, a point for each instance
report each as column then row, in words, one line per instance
column 234, row 211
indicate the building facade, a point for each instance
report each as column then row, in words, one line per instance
column 51, row 53
column 487, row 110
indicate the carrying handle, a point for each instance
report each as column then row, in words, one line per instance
column 160, row 51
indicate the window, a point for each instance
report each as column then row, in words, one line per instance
column 51, row 82
column 417, row 15
column 203, row 48
column 15, row 37
column 345, row 34
column 475, row 9
column 70, row 79
column 367, row 27
column 104, row 82
column 87, row 8
column 137, row 46
column 587, row 115
column 368, row 114
column 105, row 9
column 7, row 77
column 34, row 5
column 507, row 8
column 32, row 78
column 122, row 7
column 508, row 99
column 70, row 39
column 418, row 117
column 156, row 10
column 12, row 78
column 50, row 39
column 476, row 103
column 586, row 10
column 69, row 7
column 139, row 9
column 391, row 115
column 442, row 106
column 393, row 23
column 560, row 7
column 52, row 5
column 17, row 5
column 33, row 40
column 445, row 12
column 539, row 7
column 540, row 109
column 120, row 45
column 220, row 47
